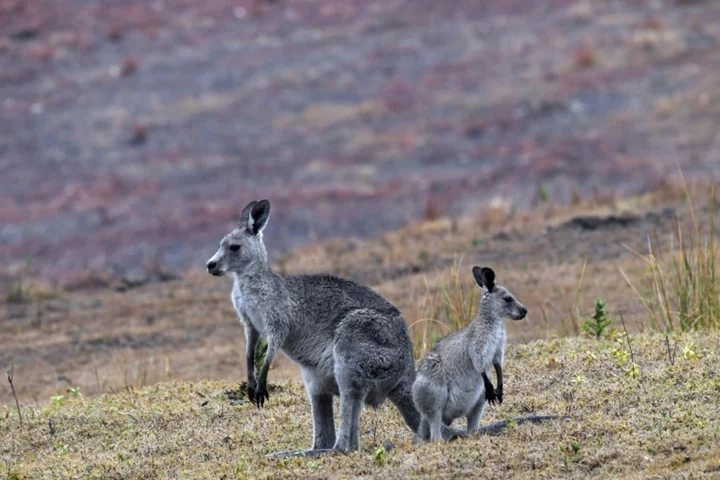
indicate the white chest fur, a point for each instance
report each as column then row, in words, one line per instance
column 246, row 312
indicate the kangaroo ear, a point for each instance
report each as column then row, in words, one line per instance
column 244, row 221
column 488, row 278
column 484, row 277
column 259, row 216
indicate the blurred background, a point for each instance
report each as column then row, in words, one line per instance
column 132, row 133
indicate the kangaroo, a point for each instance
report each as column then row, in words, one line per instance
column 348, row 340
column 452, row 379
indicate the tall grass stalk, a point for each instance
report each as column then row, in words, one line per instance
column 683, row 292
column 575, row 317
column 451, row 307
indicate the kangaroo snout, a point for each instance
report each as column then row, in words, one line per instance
column 212, row 268
column 522, row 313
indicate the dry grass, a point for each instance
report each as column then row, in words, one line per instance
column 657, row 420
column 448, row 309
column 581, row 12
column 652, row 411
column 98, row 339
column 324, row 115
column 23, row 291
column 677, row 285
column 682, row 289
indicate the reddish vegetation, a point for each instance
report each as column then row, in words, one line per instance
column 115, row 34
column 348, row 115
column 585, row 57
column 651, row 23
column 139, row 134
column 397, row 95
column 129, row 66
column 432, row 211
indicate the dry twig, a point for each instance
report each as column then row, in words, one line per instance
column 10, row 374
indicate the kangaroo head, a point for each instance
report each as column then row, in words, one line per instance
column 498, row 298
column 243, row 249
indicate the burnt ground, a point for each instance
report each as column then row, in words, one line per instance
column 133, row 132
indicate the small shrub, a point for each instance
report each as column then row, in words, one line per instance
column 139, row 134
column 432, row 209
column 241, row 469
column 585, row 57
column 74, row 392
column 572, row 451
column 598, row 323
column 260, row 350
column 575, row 197
column 542, row 194
column 15, row 293
column 651, row 23
column 129, row 66
column 380, row 454
column 115, row 34
column 689, row 351
column 398, row 95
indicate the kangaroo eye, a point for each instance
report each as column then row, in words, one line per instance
column 508, row 299
column 234, row 248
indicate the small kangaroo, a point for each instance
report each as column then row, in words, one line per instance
column 348, row 340
column 452, row 379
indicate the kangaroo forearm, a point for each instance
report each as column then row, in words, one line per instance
column 250, row 367
column 251, row 337
column 499, row 374
column 264, row 371
column 488, row 384
column 272, row 348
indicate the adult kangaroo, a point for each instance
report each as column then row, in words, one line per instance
column 348, row 340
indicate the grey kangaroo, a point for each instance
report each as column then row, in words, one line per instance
column 452, row 379
column 348, row 340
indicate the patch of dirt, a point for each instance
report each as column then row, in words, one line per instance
column 592, row 223
column 136, row 279
column 239, row 395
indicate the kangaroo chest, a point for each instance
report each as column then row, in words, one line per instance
column 248, row 312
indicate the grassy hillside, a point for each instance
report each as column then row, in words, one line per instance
column 105, row 334
column 136, row 381
column 647, row 407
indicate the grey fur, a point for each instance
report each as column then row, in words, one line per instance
column 452, row 379
column 348, row 340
